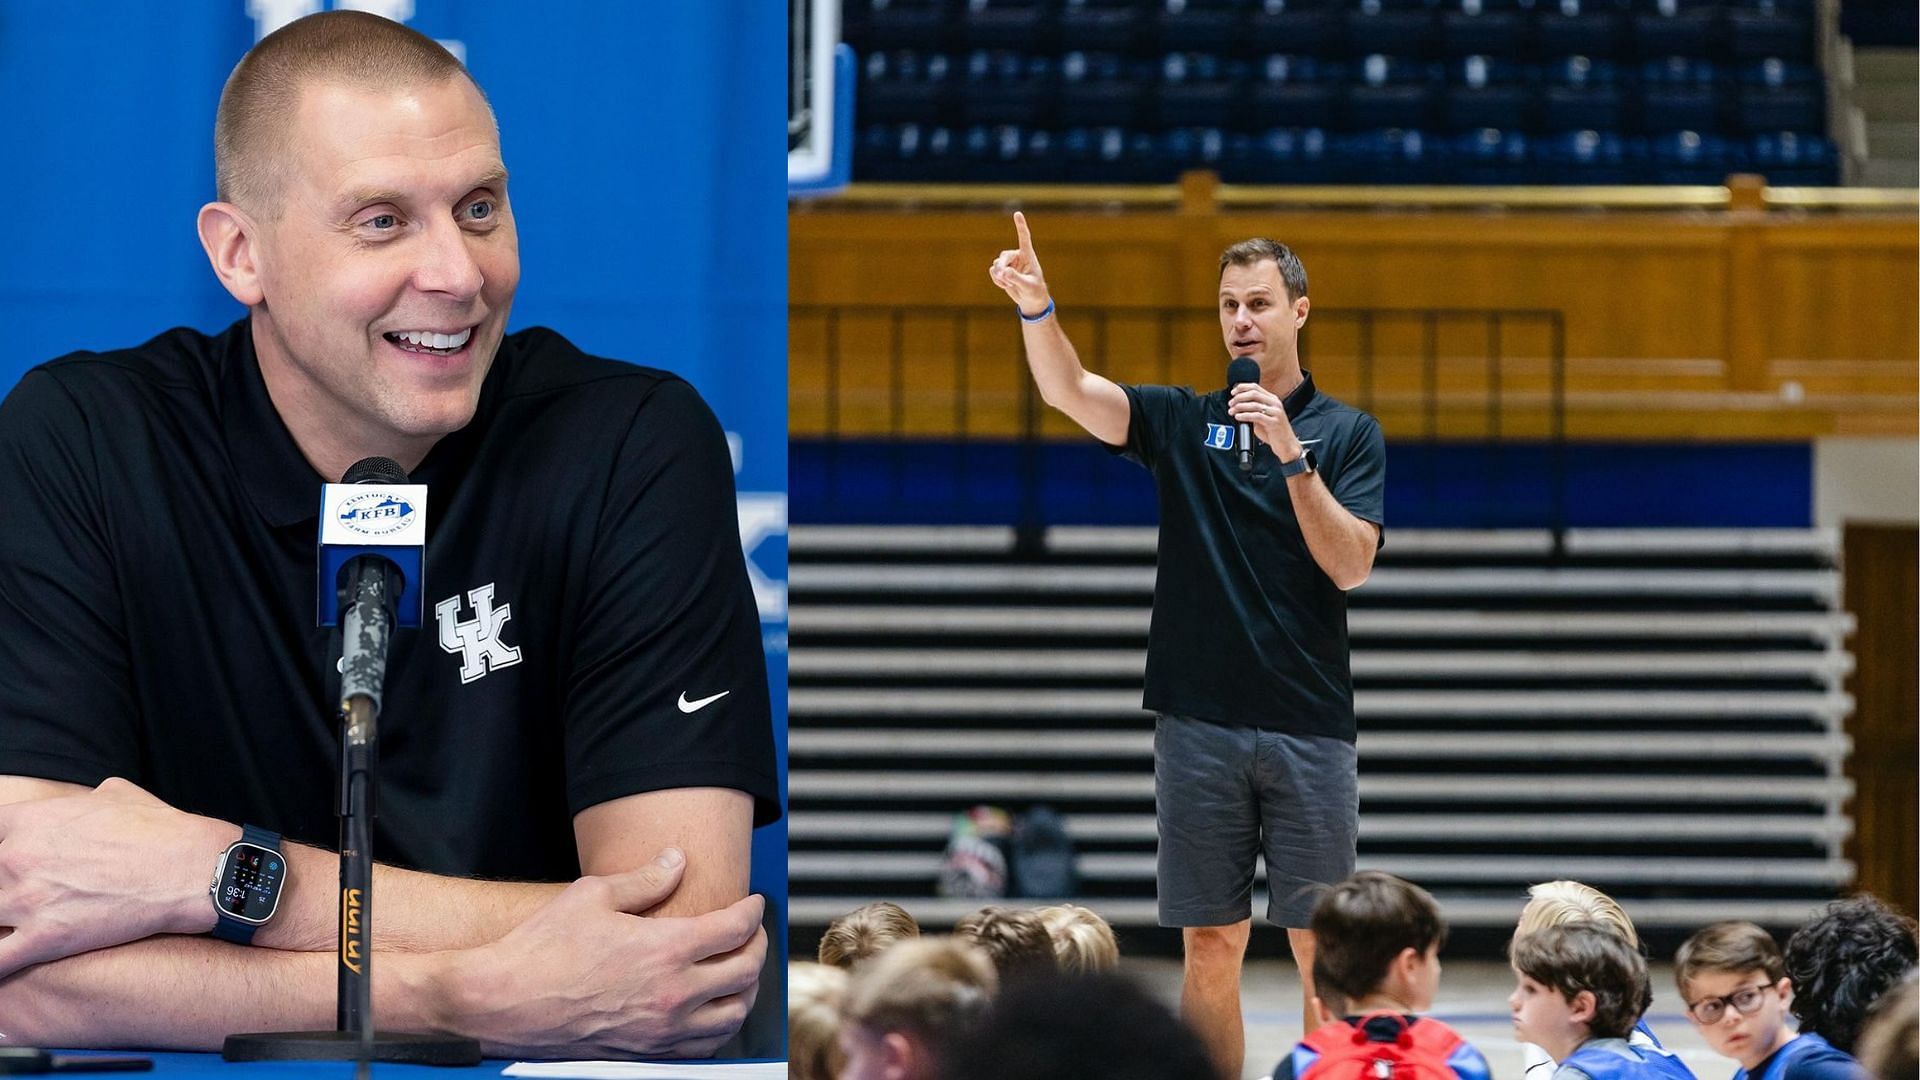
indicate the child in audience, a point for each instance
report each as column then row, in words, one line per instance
column 864, row 931
column 1842, row 960
column 1579, row 992
column 1562, row 903
column 1082, row 941
column 1734, row 982
column 906, row 1005
column 1377, row 953
column 1015, row 939
column 815, row 995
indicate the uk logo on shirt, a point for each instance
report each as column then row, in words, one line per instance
column 1220, row 436
column 476, row 640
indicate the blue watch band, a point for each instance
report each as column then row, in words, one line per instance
column 226, row 927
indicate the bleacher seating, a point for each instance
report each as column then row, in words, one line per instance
column 1657, row 712
column 1386, row 91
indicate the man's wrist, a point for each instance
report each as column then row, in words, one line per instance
column 204, row 840
column 1044, row 312
column 1290, row 453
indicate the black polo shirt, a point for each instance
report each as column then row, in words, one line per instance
column 584, row 579
column 1247, row 629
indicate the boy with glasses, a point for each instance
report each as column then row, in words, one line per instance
column 1734, row 982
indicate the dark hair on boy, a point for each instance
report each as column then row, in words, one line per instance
column 1581, row 957
column 1097, row 1026
column 1015, row 939
column 1362, row 923
column 1842, row 961
column 864, row 931
column 1731, row 946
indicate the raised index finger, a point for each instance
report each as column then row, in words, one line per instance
column 1026, row 238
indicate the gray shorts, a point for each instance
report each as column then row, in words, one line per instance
column 1224, row 794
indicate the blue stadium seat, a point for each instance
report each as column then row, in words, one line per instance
column 1195, row 89
column 1679, row 93
column 1281, row 156
column 886, row 25
column 1101, row 25
column 1496, row 28
column 1691, row 157
column 1010, row 154
column 1025, row 25
column 1297, row 27
column 1786, row 157
column 1391, row 156
column 1676, row 28
column 1594, row 28
column 1777, row 95
column 999, row 86
column 1586, row 157
column 1484, row 92
column 1757, row 29
column 1582, row 93
column 905, row 86
column 1211, row 26
column 1199, row 147
column 1391, row 93
column 1392, row 27
column 916, row 152
column 1297, row 91
column 1112, row 155
column 1101, row 89
column 1489, row 156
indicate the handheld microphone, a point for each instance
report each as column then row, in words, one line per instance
column 1243, row 369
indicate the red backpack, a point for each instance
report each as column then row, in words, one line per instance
column 1382, row 1046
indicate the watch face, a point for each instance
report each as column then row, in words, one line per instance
column 250, row 883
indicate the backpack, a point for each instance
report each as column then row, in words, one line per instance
column 975, row 864
column 1382, row 1046
column 1042, row 856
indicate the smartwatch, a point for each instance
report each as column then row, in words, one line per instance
column 1302, row 464
column 247, row 882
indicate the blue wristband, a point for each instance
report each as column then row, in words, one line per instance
column 1042, row 317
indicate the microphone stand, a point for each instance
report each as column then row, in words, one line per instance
column 366, row 626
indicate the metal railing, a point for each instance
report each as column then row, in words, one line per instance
column 865, row 390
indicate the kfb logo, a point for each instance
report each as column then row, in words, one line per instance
column 1220, row 436
column 376, row 513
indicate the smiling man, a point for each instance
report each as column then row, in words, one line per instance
column 576, row 746
column 1247, row 659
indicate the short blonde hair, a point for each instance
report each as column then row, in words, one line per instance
column 252, row 130
column 864, row 932
column 927, row 989
column 1565, row 903
column 816, row 994
column 1082, row 941
column 1013, row 938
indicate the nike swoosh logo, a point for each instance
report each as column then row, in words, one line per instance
column 1310, row 442
column 695, row 706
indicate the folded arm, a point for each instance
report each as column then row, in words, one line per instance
column 529, row 970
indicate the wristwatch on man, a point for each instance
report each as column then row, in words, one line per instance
column 247, row 882
column 1302, row 464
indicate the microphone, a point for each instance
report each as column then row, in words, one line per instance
column 373, row 532
column 373, row 513
column 1243, row 370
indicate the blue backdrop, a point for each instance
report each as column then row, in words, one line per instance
column 649, row 187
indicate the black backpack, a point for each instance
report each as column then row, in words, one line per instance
column 1042, row 856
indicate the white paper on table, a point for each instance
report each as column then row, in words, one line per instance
column 648, row 1070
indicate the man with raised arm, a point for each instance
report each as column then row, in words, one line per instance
column 1247, row 658
column 577, row 742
